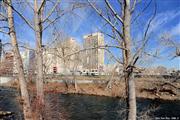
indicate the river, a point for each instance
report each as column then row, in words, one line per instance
column 9, row 103
column 85, row 107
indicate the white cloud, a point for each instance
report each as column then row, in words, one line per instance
column 159, row 23
column 163, row 18
column 175, row 31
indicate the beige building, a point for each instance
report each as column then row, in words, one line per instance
column 25, row 59
column 60, row 58
column 93, row 58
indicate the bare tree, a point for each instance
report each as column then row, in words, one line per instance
column 38, row 33
column 45, row 13
column 58, row 49
column 18, row 60
column 120, row 23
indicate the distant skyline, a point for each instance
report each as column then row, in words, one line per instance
column 86, row 21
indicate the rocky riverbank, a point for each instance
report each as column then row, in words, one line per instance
column 152, row 88
column 145, row 88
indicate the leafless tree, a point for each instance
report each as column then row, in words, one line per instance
column 59, row 48
column 120, row 22
column 45, row 13
column 23, row 86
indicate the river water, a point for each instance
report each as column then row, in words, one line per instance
column 9, row 103
column 85, row 107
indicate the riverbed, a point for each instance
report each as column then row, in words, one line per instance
column 86, row 107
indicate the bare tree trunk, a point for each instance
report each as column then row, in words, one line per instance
column 131, row 96
column 129, row 77
column 38, row 34
column 18, row 60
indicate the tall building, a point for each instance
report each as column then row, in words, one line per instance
column 60, row 58
column 93, row 58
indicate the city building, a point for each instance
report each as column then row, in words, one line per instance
column 93, row 58
column 25, row 59
column 6, row 64
column 60, row 57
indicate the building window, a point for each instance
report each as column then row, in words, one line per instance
column 54, row 69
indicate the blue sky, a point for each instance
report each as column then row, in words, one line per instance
column 87, row 21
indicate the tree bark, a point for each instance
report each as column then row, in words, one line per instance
column 131, row 96
column 18, row 60
column 39, row 58
column 129, row 77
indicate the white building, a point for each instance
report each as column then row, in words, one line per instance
column 60, row 58
column 25, row 59
column 93, row 58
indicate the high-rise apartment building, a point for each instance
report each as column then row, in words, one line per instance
column 93, row 58
column 60, row 58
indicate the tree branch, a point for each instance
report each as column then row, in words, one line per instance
column 51, row 11
column 145, row 39
column 4, row 27
column 4, row 32
column 5, row 19
column 152, row 55
column 111, row 36
column 116, row 59
column 26, row 21
column 135, row 18
column 133, row 7
column 113, row 11
column 99, row 47
column 22, row 46
column 53, row 21
column 109, row 22
column 41, row 6
column 1, row 14
column 29, row 5
column 90, row 48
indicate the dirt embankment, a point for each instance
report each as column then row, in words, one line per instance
column 145, row 88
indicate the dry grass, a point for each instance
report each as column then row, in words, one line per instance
column 118, row 89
